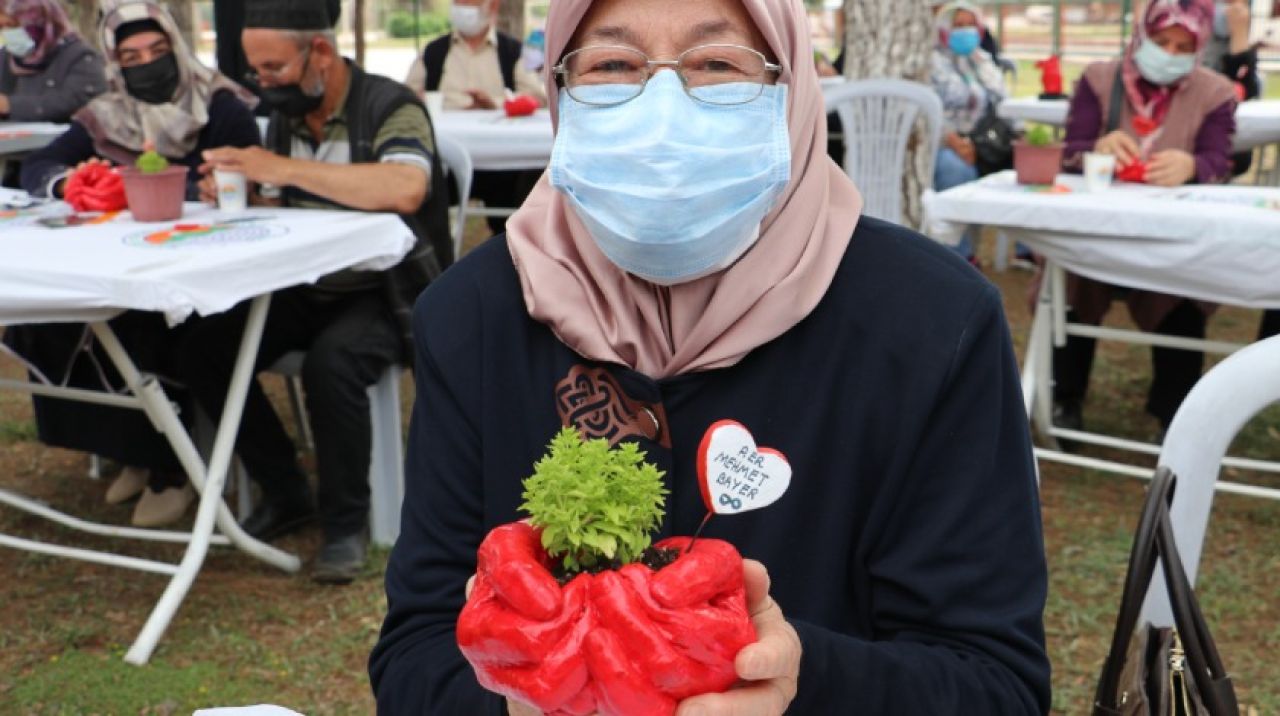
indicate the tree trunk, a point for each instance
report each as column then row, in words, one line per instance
column 511, row 18
column 84, row 16
column 894, row 38
column 185, row 17
column 357, row 27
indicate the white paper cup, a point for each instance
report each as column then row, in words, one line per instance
column 435, row 104
column 1098, row 170
column 233, row 192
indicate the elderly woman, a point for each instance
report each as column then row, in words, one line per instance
column 693, row 255
column 160, row 94
column 968, row 81
column 47, row 72
column 1172, row 121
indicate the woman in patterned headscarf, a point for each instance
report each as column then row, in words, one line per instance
column 1168, row 121
column 161, row 95
column 158, row 93
column 47, row 72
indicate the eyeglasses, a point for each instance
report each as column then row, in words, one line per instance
column 609, row 75
column 255, row 77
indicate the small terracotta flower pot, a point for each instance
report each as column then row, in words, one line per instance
column 1036, row 165
column 155, row 197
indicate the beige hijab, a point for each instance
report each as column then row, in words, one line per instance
column 608, row 315
column 120, row 124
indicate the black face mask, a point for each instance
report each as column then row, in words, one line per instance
column 290, row 100
column 154, row 82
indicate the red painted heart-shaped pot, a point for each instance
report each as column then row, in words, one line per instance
column 619, row 643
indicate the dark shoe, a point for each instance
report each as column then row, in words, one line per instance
column 341, row 559
column 270, row 520
column 1069, row 416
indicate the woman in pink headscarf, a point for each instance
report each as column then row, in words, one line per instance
column 693, row 255
column 47, row 72
column 1168, row 121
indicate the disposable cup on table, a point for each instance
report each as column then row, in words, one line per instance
column 232, row 188
column 1098, row 171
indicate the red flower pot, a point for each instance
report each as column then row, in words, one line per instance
column 629, row 642
column 155, row 197
column 1036, row 164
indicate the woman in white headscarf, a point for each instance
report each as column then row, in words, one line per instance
column 693, row 255
column 160, row 95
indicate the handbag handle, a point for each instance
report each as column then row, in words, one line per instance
column 1155, row 538
column 1142, row 566
column 1208, row 673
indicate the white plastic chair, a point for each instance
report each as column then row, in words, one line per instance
column 878, row 117
column 386, row 464
column 1235, row 390
column 457, row 163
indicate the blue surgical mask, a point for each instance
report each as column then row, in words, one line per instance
column 963, row 40
column 1160, row 67
column 671, row 188
column 17, row 41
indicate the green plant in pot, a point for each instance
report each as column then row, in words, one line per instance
column 1037, row 156
column 154, row 188
column 574, row 612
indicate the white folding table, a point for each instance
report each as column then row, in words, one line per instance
column 1257, row 121
column 204, row 263
column 17, row 138
column 1214, row 243
column 497, row 142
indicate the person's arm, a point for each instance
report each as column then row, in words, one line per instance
column 530, row 83
column 84, row 81
column 1242, row 68
column 397, row 182
column 417, row 78
column 44, row 166
column 1213, row 145
column 958, row 574
column 416, row 666
column 1084, row 126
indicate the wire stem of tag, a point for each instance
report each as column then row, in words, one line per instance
column 689, row 547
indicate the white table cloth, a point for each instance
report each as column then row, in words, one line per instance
column 204, row 263
column 497, row 142
column 210, row 263
column 1215, row 243
column 23, row 137
column 1257, row 121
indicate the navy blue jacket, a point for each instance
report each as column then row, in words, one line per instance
column 231, row 124
column 907, row 552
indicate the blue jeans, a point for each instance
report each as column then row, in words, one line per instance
column 949, row 170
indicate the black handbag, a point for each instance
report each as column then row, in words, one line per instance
column 992, row 137
column 1158, row 670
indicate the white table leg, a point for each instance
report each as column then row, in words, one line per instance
column 1037, row 369
column 209, row 483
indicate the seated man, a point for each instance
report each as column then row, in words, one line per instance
column 342, row 139
column 474, row 67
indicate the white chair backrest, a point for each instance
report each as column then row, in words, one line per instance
column 1235, row 390
column 457, row 163
column 878, row 117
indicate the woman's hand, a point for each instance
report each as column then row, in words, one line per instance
column 770, row 667
column 1120, row 144
column 962, row 146
column 1172, row 167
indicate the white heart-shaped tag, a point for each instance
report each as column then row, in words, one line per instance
column 734, row 474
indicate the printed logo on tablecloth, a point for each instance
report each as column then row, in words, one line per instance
column 15, row 218
column 211, row 234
